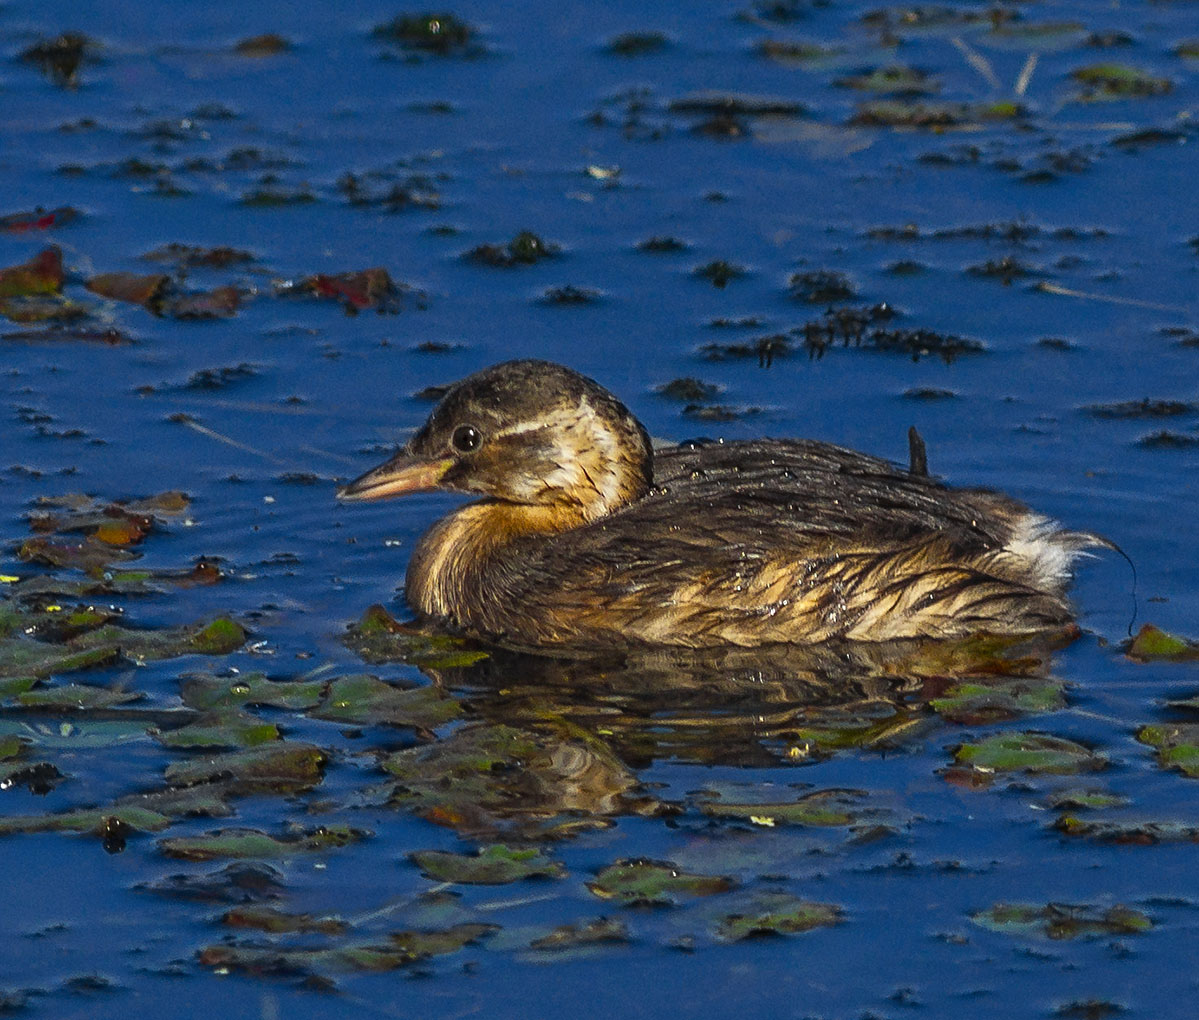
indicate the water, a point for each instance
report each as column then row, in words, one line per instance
column 543, row 128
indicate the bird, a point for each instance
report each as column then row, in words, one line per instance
column 587, row 537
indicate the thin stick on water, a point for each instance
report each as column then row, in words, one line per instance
column 1053, row 288
column 976, row 60
column 1026, row 73
column 204, row 430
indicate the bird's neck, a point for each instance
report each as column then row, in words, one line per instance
column 453, row 572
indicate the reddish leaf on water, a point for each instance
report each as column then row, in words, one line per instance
column 147, row 290
column 42, row 274
column 367, row 288
column 193, row 255
column 37, row 219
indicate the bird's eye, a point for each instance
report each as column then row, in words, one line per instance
column 466, row 439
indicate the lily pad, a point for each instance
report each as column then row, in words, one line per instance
column 643, row 882
column 365, row 700
column 822, row 808
column 379, row 637
column 1038, row 753
column 96, row 821
column 357, row 291
column 397, row 950
column 525, row 249
column 239, row 882
column 1062, row 921
column 78, row 697
column 777, row 913
column 257, row 845
column 568, row 937
column 484, row 779
column 975, row 702
column 136, row 289
column 1119, row 81
column 491, row 865
column 1125, row 831
column 279, row 922
column 207, row 693
column 1151, row 644
column 894, row 80
column 929, row 115
column 227, row 728
column 1177, row 745
column 1085, row 800
column 276, row 767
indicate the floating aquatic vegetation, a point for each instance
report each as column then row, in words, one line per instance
column 568, row 937
column 379, row 637
column 927, row 115
column 1177, row 745
column 1118, row 81
column 1062, row 921
column 38, row 219
column 834, row 808
column 637, row 44
column 662, row 244
column 570, row 295
column 1075, row 799
column 688, row 390
column 270, row 44
column 278, row 922
column 212, row 693
column 1166, row 440
column 525, row 249
column 893, row 80
column 441, row 33
column 720, row 273
column 1126, row 832
column 379, row 954
column 643, row 882
column 195, row 256
column 356, row 291
column 975, row 702
column 488, row 779
column 1035, row 36
column 221, row 729
column 41, row 275
column 490, row 865
column 1038, row 753
column 1144, row 408
column 277, row 767
column 811, row 56
column 367, row 701
column 777, row 913
column 60, row 57
column 766, row 349
column 821, row 286
column 253, row 844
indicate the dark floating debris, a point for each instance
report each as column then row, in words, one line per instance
column 821, row 286
column 1005, row 269
column 662, row 245
column 60, row 57
column 637, row 44
column 525, row 249
column 443, row 34
column 1144, row 408
column 765, row 349
column 800, row 54
column 928, row 393
column 269, row 44
column 190, row 255
column 720, row 273
column 1166, row 440
column 688, row 390
column 570, row 295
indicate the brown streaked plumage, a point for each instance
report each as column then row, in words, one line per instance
column 585, row 537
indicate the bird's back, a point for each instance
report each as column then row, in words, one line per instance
column 780, row 541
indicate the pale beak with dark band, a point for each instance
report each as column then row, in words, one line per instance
column 403, row 474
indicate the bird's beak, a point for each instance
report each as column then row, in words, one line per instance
column 403, row 474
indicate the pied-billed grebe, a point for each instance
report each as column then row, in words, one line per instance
column 587, row 537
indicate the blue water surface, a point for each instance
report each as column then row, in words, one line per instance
column 541, row 126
